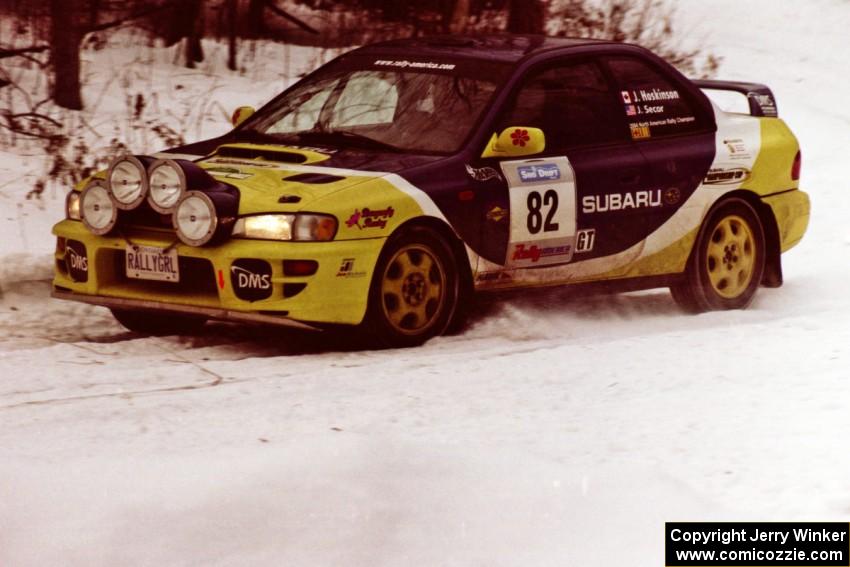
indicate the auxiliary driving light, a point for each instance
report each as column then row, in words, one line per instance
column 167, row 185
column 195, row 218
column 127, row 182
column 97, row 208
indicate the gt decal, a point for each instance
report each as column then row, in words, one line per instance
column 585, row 239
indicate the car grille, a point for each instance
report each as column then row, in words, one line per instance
column 197, row 278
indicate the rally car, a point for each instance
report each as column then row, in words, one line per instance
column 387, row 187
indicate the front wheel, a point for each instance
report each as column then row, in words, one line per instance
column 414, row 292
column 726, row 265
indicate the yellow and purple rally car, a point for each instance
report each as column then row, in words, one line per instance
column 391, row 184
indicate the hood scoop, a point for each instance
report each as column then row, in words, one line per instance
column 314, row 178
column 269, row 154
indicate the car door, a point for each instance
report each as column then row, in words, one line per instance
column 672, row 126
column 555, row 208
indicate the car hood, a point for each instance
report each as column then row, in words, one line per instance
column 278, row 178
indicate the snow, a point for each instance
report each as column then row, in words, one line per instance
column 557, row 430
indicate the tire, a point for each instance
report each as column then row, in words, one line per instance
column 157, row 323
column 414, row 291
column 726, row 265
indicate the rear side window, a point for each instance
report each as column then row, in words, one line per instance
column 572, row 103
column 654, row 105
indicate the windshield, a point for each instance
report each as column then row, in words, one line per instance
column 372, row 103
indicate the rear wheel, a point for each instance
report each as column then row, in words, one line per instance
column 414, row 291
column 158, row 323
column 726, row 265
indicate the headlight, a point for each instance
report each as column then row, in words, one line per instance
column 127, row 182
column 167, row 185
column 72, row 206
column 195, row 219
column 97, row 208
column 286, row 227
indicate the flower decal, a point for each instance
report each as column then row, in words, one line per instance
column 520, row 137
column 354, row 219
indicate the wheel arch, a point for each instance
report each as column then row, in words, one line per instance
column 464, row 269
column 772, row 276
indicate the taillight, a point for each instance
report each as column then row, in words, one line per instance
column 795, row 169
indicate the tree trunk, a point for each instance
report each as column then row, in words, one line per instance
column 460, row 17
column 232, row 24
column 65, row 53
column 194, row 32
column 256, row 19
column 526, row 16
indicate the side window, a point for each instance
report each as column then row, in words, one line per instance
column 572, row 103
column 654, row 105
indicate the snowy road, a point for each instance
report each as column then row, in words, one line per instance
column 557, row 430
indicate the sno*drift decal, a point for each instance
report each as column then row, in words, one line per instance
column 542, row 172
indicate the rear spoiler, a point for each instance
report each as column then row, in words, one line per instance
column 760, row 97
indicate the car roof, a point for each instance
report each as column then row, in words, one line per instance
column 508, row 48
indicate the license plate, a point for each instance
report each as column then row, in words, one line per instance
column 152, row 263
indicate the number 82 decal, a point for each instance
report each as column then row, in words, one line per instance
column 535, row 203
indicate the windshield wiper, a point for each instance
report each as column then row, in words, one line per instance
column 346, row 137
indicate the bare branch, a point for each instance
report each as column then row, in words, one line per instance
column 6, row 52
column 287, row 16
column 126, row 20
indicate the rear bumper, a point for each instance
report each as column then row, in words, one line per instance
column 336, row 293
column 791, row 210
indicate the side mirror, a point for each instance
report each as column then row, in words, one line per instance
column 516, row 141
column 241, row 114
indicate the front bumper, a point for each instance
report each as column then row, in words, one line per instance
column 336, row 293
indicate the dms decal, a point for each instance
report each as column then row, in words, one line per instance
column 251, row 279
column 726, row 175
column 621, row 201
column 534, row 252
column 76, row 261
column 542, row 172
column 368, row 218
column 765, row 102
column 246, row 279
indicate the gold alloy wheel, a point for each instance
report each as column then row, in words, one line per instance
column 413, row 289
column 731, row 257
